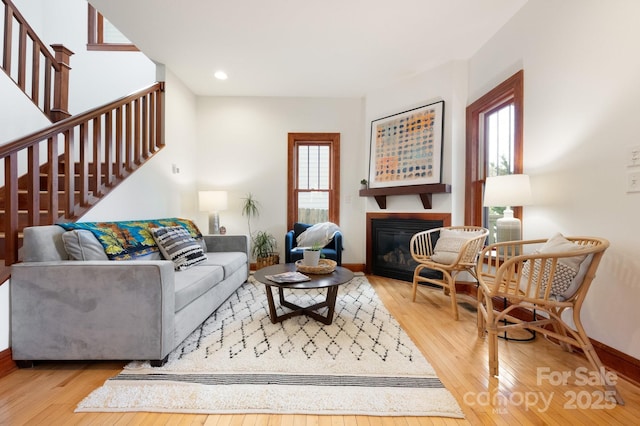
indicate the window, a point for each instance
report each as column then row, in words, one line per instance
column 313, row 178
column 494, row 147
column 104, row 36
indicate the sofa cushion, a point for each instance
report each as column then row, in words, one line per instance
column 81, row 244
column 192, row 283
column 43, row 244
column 177, row 245
column 230, row 261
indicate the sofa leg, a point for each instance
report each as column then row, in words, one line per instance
column 24, row 363
column 159, row 362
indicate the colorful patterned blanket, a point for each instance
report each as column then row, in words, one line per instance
column 125, row 240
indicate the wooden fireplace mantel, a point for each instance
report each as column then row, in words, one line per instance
column 424, row 191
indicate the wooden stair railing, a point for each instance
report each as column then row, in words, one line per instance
column 66, row 168
column 41, row 75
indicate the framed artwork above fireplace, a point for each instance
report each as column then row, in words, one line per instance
column 406, row 148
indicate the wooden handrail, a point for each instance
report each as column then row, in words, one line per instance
column 86, row 156
column 75, row 120
column 55, row 65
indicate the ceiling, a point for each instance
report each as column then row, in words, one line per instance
column 305, row 48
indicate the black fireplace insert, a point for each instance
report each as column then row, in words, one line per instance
column 390, row 256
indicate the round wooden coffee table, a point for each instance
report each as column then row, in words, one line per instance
column 329, row 281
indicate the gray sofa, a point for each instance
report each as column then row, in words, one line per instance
column 64, row 309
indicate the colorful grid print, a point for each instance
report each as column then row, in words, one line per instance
column 405, row 147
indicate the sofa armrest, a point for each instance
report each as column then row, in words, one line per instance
column 92, row 310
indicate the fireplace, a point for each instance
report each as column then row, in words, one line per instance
column 388, row 237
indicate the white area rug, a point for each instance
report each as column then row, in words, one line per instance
column 239, row 362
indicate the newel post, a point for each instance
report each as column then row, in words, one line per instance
column 61, row 83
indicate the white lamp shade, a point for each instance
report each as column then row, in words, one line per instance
column 507, row 190
column 212, row 201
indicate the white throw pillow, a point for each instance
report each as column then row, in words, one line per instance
column 559, row 244
column 320, row 234
column 570, row 271
column 449, row 244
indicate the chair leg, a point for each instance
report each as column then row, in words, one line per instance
column 481, row 323
column 449, row 286
column 559, row 329
column 492, row 337
column 454, row 301
column 594, row 360
column 415, row 283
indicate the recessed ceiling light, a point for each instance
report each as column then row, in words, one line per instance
column 220, row 75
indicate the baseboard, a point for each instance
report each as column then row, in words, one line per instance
column 354, row 267
column 6, row 363
column 624, row 365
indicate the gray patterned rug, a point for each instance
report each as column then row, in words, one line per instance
column 239, row 362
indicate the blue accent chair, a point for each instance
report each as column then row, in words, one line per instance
column 333, row 250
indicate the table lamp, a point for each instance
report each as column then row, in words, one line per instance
column 507, row 191
column 213, row 202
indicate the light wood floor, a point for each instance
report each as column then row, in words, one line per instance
column 48, row 393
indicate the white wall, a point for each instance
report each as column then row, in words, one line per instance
column 581, row 114
column 154, row 191
column 242, row 148
column 19, row 115
column 448, row 83
column 96, row 77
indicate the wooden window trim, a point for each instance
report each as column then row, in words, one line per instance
column 95, row 40
column 296, row 139
column 510, row 89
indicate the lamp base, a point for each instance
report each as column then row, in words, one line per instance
column 214, row 223
column 508, row 228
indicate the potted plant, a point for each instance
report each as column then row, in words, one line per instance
column 250, row 208
column 263, row 244
column 264, row 249
column 363, row 184
column 311, row 255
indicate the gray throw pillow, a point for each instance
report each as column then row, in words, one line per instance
column 81, row 244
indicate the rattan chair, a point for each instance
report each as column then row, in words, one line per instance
column 449, row 250
column 543, row 282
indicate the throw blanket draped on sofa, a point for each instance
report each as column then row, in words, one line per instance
column 125, row 240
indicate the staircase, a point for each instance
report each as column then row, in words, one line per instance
column 59, row 173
